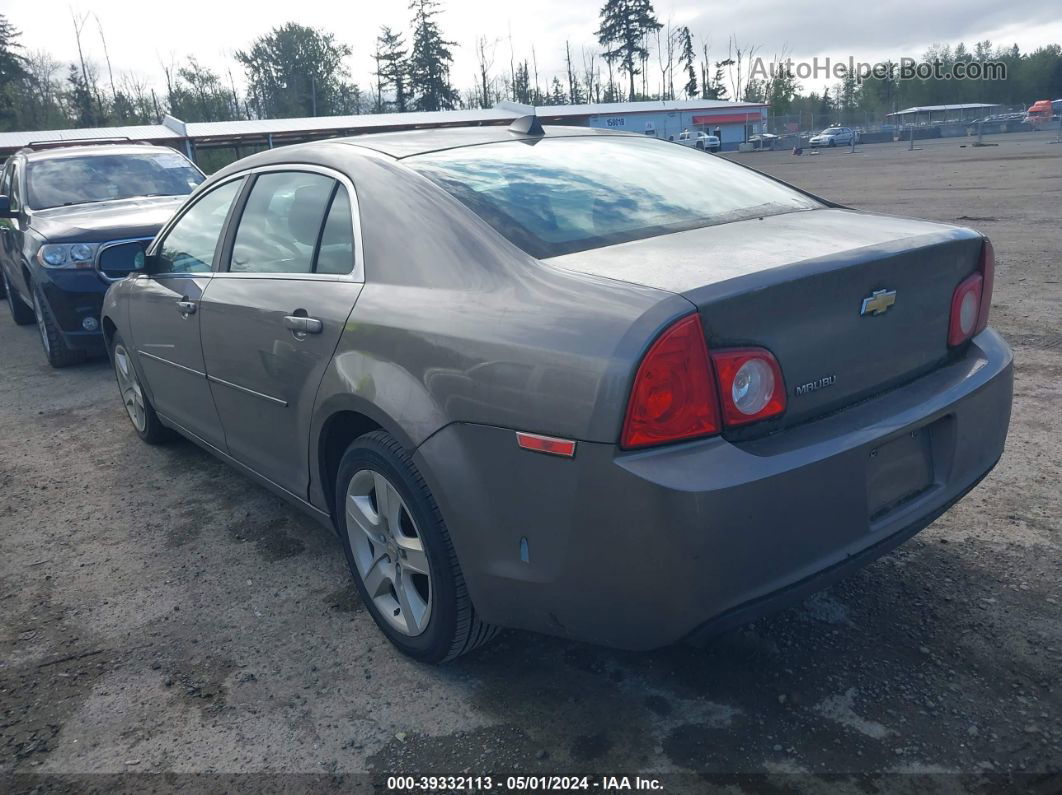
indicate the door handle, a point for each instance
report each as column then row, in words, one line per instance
column 303, row 325
column 186, row 308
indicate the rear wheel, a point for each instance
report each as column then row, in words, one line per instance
column 141, row 413
column 56, row 351
column 400, row 554
column 20, row 313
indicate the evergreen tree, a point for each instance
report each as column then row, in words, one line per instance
column 430, row 59
column 625, row 27
column 392, row 70
column 295, row 70
column 80, row 99
column 12, row 72
column 687, row 58
column 556, row 93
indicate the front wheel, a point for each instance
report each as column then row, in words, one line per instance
column 141, row 413
column 20, row 313
column 833, row 142
column 56, row 351
column 399, row 552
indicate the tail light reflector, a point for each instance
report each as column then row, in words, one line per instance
column 972, row 299
column 750, row 385
column 673, row 397
column 546, row 444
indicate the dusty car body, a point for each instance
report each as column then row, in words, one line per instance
column 563, row 398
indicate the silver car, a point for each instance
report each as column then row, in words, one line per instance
column 834, row 136
column 566, row 380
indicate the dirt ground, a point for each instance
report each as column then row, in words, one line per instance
column 158, row 612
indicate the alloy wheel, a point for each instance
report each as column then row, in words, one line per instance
column 389, row 552
column 132, row 394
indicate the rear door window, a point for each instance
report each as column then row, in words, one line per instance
column 281, row 223
column 336, row 252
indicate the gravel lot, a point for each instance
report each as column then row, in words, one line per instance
column 158, row 612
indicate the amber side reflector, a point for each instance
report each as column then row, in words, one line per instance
column 546, row 444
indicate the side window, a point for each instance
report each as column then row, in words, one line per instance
column 336, row 254
column 281, row 223
column 189, row 246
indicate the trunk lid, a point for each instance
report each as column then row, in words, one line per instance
column 795, row 284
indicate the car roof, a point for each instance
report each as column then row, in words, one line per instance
column 419, row 142
column 50, row 153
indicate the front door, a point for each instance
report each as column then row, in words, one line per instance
column 272, row 317
column 165, row 320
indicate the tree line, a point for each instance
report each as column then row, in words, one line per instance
column 295, row 70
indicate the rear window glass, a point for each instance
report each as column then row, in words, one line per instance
column 62, row 181
column 562, row 195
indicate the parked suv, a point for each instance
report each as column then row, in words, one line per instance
column 72, row 221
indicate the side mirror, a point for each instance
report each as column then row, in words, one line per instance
column 5, row 208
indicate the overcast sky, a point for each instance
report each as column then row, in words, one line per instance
column 142, row 35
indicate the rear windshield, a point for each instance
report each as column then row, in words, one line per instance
column 561, row 195
column 62, row 181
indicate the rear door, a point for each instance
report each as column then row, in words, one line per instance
column 273, row 315
column 164, row 314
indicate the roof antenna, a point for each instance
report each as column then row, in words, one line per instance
column 527, row 125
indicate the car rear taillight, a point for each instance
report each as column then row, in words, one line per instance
column 972, row 299
column 750, row 385
column 673, row 397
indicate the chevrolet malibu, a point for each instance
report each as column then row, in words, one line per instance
column 565, row 380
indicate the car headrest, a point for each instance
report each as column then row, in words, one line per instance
column 304, row 218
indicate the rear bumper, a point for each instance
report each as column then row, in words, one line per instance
column 638, row 550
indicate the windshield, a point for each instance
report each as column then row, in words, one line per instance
column 562, row 195
column 831, row 131
column 61, row 181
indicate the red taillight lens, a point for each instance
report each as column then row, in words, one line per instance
column 750, row 385
column 972, row 299
column 965, row 308
column 673, row 397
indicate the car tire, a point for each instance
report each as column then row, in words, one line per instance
column 56, row 351
column 833, row 142
column 20, row 313
column 137, row 404
column 418, row 599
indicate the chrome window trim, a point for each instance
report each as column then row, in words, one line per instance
column 356, row 275
column 110, row 244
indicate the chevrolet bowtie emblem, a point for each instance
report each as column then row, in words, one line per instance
column 878, row 303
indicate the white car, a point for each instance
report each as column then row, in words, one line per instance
column 699, row 140
column 833, row 136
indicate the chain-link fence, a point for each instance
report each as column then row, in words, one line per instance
column 797, row 128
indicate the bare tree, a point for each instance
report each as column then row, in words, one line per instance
column 90, row 79
column 590, row 77
column 106, row 57
column 573, row 79
column 485, row 62
column 740, row 66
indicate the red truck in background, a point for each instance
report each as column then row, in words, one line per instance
column 1041, row 114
